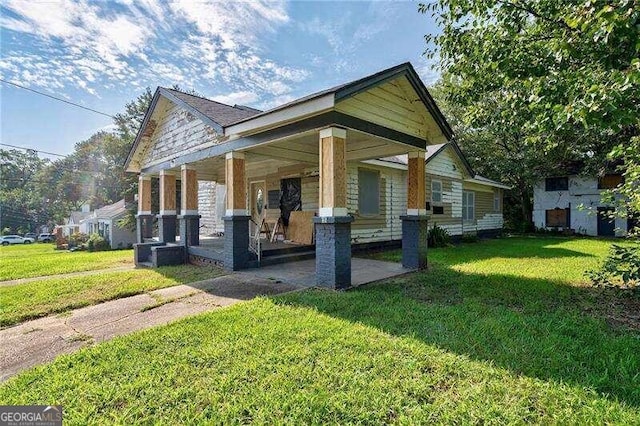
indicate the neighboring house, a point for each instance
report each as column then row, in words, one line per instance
column 321, row 154
column 74, row 223
column 104, row 221
column 574, row 203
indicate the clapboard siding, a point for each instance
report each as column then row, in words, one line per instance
column 393, row 105
column 178, row 132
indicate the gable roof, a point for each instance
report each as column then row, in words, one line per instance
column 220, row 113
column 352, row 88
column 110, row 211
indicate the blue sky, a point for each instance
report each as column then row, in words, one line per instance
column 102, row 54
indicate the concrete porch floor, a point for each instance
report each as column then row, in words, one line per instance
column 303, row 272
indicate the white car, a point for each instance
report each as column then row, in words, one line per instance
column 14, row 239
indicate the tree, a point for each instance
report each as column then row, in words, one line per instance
column 566, row 75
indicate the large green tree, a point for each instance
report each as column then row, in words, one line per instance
column 564, row 76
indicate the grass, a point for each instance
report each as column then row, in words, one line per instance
column 515, row 340
column 48, row 296
column 35, row 260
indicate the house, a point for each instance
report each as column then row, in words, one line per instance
column 574, row 203
column 104, row 221
column 73, row 224
column 458, row 199
column 316, row 161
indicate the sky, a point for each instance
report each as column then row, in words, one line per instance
column 102, row 54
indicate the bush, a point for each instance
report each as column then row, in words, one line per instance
column 78, row 239
column 620, row 269
column 97, row 243
column 438, row 237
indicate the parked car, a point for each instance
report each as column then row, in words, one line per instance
column 46, row 238
column 31, row 235
column 15, row 239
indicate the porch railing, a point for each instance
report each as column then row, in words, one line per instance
column 255, row 245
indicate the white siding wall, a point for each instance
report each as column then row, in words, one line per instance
column 582, row 197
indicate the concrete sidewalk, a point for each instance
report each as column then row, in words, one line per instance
column 39, row 341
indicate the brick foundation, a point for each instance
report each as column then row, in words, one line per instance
column 236, row 242
column 333, row 251
column 414, row 242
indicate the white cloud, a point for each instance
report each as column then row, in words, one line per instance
column 99, row 45
column 243, row 97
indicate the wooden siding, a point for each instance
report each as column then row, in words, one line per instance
column 393, row 105
column 177, row 132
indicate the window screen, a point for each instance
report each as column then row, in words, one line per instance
column 468, row 205
column 436, row 191
column 368, row 192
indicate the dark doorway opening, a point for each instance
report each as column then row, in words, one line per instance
column 290, row 198
column 606, row 223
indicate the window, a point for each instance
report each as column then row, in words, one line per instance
column 436, row 191
column 468, row 205
column 556, row 184
column 438, row 210
column 496, row 201
column 368, row 192
column 556, row 218
column 609, row 181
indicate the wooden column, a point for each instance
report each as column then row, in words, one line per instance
column 333, row 172
column 416, row 192
column 144, row 195
column 189, row 190
column 236, row 185
column 167, row 193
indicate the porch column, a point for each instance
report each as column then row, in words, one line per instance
column 167, row 216
column 189, row 218
column 414, row 224
column 144, row 218
column 236, row 220
column 333, row 226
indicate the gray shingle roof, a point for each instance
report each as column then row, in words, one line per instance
column 220, row 113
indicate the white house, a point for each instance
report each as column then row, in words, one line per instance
column 74, row 223
column 574, row 203
column 104, row 221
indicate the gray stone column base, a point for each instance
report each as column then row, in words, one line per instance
column 333, row 251
column 236, row 242
column 144, row 227
column 167, row 228
column 189, row 230
column 414, row 241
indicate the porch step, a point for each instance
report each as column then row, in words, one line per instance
column 288, row 257
column 277, row 251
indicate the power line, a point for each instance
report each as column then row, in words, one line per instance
column 56, row 98
column 31, row 149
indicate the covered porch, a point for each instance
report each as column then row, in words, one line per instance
column 327, row 147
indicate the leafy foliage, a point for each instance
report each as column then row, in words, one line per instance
column 438, row 237
column 620, row 269
column 97, row 243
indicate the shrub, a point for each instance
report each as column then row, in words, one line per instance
column 620, row 269
column 78, row 239
column 438, row 237
column 97, row 243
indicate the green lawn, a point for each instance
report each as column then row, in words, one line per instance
column 496, row 332
column 35, row 260
column 52, row 295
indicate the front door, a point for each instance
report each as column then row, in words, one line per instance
column 257, row 200
column 606, row 223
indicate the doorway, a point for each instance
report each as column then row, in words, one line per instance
column 606, row 223
column 290, row 198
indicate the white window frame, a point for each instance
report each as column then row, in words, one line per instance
column 468, row 211
column 496, row 201
column 433, row 191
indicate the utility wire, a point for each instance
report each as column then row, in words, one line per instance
column 56, row 98
column 31, row 149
